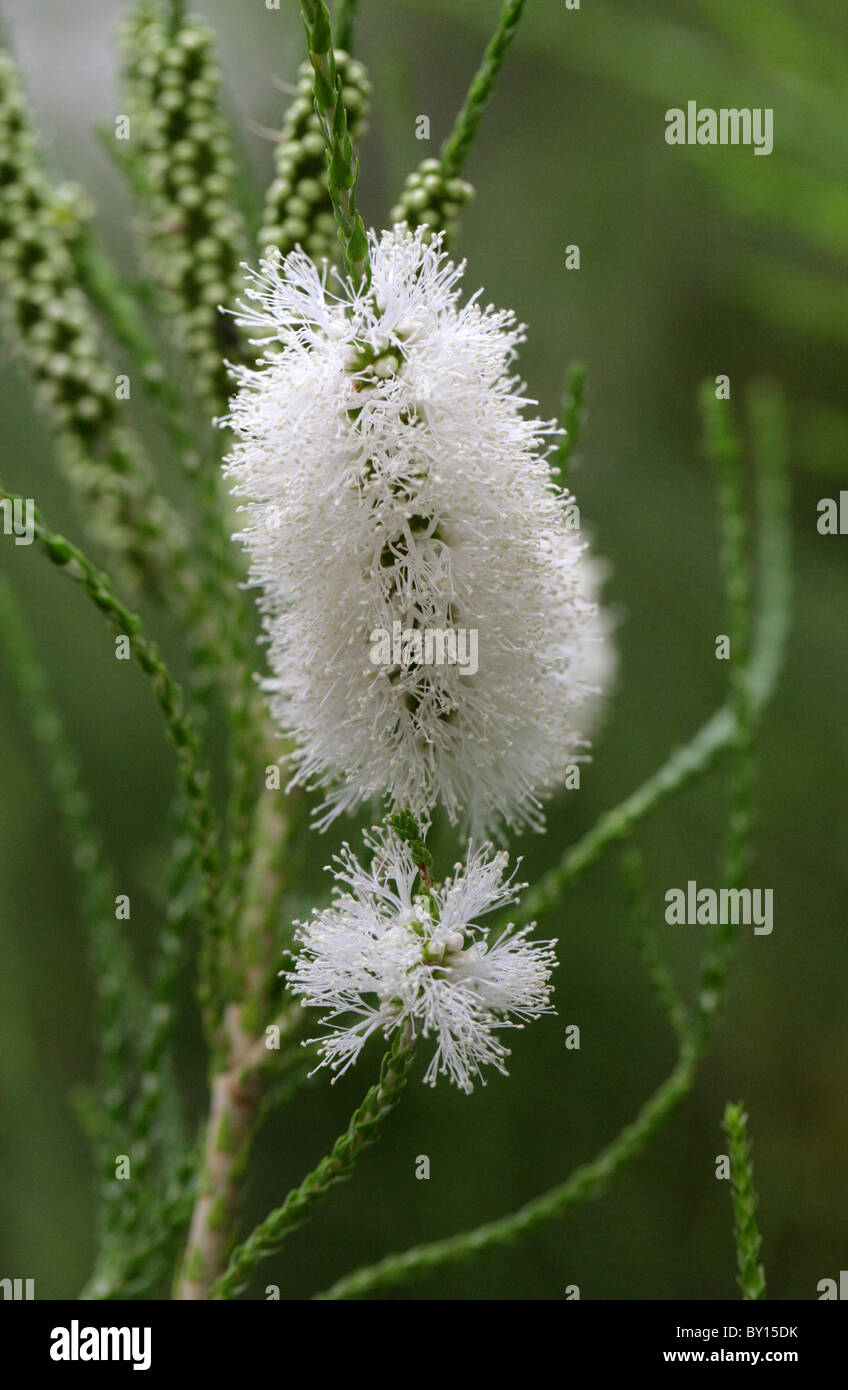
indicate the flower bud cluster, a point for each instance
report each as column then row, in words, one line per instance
column 58, row 337
column 432, row 199
column 49, row 315
column 182, row 164
column 298, row 210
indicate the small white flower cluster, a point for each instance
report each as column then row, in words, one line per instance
column 388, row 474
column 383, row 957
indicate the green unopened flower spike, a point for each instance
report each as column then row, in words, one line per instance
column 298, row 210
column 751, row 1277
column 48, row 313
column 59, row 340
column 182, row 165
column 434, row 199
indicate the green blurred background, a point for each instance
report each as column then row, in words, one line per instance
column 693, row 263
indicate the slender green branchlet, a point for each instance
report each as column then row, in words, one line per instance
column 458, row 145
column 751, row 1277
column 363, row 1129
column 171, row 701
column 298, row 206
column 342, row 164
column 434, row 194
column 344, row 17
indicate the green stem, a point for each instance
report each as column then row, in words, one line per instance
column 170, row 699
column 362, row 1130
column 751, row 1278
column 457, row 147
column 343, row 166
column 585, row 1182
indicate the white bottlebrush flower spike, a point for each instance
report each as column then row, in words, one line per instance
column 391, row 483
column 383, row 957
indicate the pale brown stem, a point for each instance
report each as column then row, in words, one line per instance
column 243, row 1059
column 235, row 1095
column 236, row 1092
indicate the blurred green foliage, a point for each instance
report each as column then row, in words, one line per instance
column 690, row 267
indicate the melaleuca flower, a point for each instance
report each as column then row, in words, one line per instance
column 383, row 957
column 394, row 489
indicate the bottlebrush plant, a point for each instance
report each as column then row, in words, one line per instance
column 359, row 460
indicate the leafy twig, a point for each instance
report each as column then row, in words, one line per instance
column 170, row 699
column 343, row 166
column 457, row 147
column 751, row 1278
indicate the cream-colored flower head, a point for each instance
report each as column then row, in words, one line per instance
column 392, row 483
